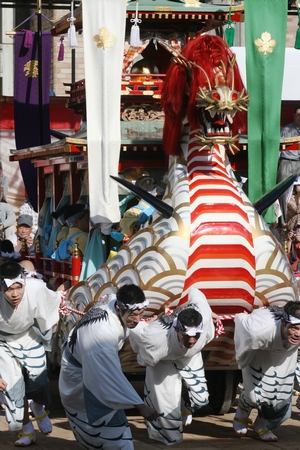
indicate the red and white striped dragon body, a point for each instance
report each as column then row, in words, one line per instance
column 215, row 239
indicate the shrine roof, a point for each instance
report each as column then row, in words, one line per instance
column 163, row 9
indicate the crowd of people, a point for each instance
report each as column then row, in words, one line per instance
column 169, row 346
column 289, row 160
column 70, row 224
column 288, row 206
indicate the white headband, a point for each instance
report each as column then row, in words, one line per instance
column 190, row 331
column 18, row 279
column 32, row 274
column 293, row 320
column 134, row 306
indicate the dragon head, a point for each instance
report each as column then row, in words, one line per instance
column 204, row 84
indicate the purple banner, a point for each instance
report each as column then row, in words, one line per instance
column 31, row 101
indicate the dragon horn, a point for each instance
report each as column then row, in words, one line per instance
column 270, row 197
column 159, row 205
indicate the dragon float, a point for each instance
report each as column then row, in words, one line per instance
column 214, row 239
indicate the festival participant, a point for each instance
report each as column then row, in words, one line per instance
column 266, row 343
column 170, row 348
column 93, row 389
column 28, row 311
column 7, row 252
column 293, row 206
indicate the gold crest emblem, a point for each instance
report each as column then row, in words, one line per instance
column 31, row 68
column 104, row 39
column 265, row 43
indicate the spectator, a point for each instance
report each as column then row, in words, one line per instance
column 27, row 209
column 7, row 220
column 3, row 184
column 293, row 206
column 289, row 160
column 293, row 249
column 274, row 227
column 24, row 232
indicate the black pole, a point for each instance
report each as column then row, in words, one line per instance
column 73, row 74
column 40, row 72
column 73, row 65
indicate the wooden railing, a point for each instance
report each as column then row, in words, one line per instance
column 48, row 267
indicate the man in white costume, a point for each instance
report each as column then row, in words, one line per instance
column 266, row 344
column 28, row 311
column 93, row 389
column 170, row 348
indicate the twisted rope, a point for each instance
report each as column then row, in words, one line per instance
column 64, row 310
column 219, row 325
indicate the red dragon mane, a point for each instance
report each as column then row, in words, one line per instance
column 181, row 86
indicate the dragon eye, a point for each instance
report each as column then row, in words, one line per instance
column 216, row 96
column 234, row 96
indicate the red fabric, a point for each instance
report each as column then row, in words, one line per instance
column 7, row 117
column 294, row 266
column 61, row 118
column 207, row 52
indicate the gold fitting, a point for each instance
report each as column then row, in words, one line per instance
column 38, row 245
column 23, row 245
column 76, row 251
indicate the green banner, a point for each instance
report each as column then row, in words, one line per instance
column 265, row 27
